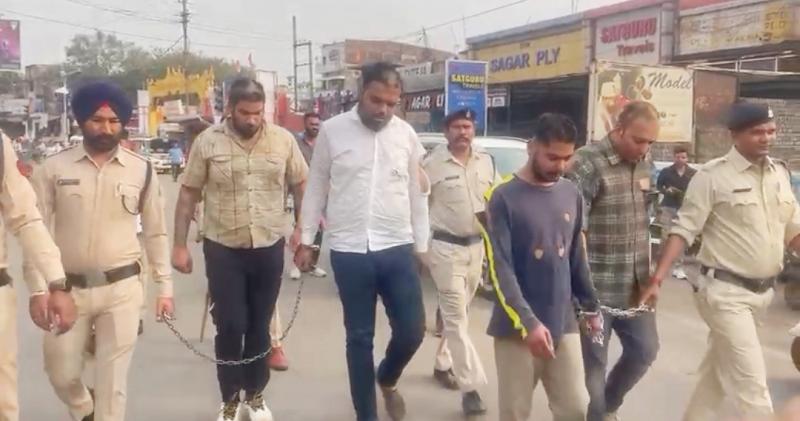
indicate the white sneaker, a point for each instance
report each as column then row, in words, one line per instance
column 795, row 331
column 611, row 416
column 229, row 411
column 295, row 273
column 257, row 409
column 319, row 273
column 679, row 274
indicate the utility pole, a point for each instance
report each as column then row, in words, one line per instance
column 294, row 59
column 302, row 44
column 185, row 23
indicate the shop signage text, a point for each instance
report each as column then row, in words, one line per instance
column 466, row 88
column 536, row 58
column 425, row 102
column 631, row 37
column 739, row 27
column 520, row 61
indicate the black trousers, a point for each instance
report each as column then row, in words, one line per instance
column 243, row 285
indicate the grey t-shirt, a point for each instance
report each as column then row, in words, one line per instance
column 539, row 258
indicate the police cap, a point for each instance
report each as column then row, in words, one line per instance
column 744, row 115
column 94, row 95
column 462, row 114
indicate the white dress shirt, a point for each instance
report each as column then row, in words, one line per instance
column 367, row 184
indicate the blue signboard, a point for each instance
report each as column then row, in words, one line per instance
column 465, row 87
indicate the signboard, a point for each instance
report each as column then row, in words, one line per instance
column 420, row 69
column 633, row 37
column 425, row 101
column 739, row 27
column 669, row 89
column 497, row 97
column 538, row 58
column 465, row 87
column 10, row 57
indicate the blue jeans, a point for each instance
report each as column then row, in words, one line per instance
column 639, row 339
column 361, row 279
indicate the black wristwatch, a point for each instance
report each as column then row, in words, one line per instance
column 59, row 285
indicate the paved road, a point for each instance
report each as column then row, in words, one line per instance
column 168, row 383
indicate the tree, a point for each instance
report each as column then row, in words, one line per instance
column 101, row 55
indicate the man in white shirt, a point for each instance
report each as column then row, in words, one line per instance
column 366, row 175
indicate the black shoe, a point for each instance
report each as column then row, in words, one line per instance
column 446, row 378
column 472, row 404
column 395, row 405
column 141, row 327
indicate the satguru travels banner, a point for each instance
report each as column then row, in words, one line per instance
column 465, row 87
column 669, row 89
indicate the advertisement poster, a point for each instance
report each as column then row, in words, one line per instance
column 466, row 88
column 10, row 57
column 669, row 89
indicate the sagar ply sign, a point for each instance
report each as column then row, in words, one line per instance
column 465, row 87
column 669, row 89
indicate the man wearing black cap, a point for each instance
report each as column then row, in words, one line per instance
column 90, row 197
column 460, row 173
column 742, row 204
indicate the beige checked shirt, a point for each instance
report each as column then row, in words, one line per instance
column 245, row 190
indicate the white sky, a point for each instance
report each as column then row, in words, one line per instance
column 263, row 27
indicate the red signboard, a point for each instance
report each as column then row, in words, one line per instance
column 9, row 45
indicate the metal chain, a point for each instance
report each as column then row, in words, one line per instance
column 245, row 361
column 599, row 337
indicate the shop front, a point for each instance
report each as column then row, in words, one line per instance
column 534, row 69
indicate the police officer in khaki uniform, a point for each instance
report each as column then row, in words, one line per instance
column 460, row 173
column 742, row 204
column 90, row 196
column 49, row 311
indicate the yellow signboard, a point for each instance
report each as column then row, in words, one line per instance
column 537, row 58
column 739, row 27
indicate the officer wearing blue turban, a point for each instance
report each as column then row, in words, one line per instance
column 97, row 103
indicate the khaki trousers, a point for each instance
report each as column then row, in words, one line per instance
column 144, row 278
column 114, row 312
column 9, row 409
column 456, row 271
column 734, row 364
column 518, row 374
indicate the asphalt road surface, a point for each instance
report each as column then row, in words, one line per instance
column 167, row 382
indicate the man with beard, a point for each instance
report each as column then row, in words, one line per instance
column 613, row 179
column 90, row 197
column 365, row 174
column 539, row 266
column 242, row 168
column 460, row 173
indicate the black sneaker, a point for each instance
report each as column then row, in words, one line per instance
column 472, row 404
column 446, row 378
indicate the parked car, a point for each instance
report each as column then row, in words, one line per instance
column 509, row 153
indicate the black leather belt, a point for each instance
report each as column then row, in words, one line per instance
column 454, row 239
column 5, row 278
column 759, row 286
column 109, row 276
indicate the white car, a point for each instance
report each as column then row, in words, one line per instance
column 509, row 153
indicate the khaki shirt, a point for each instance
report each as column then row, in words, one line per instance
column 92, row 213
column 22, row 218
column 244, row 205
column 745, row 214
column 457, row 190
